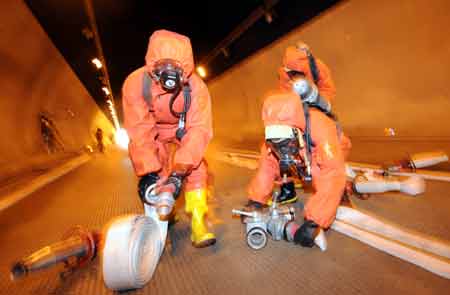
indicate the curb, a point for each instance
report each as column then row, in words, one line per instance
column 40, row 181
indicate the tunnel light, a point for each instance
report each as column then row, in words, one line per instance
column 201, row 71
column 98, row 64
column 121, row 138
column 106, row 90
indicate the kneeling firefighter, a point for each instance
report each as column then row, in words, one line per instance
column 311, row 79
column 167, row 112
column 285, row 154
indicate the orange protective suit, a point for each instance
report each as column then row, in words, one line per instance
column 297, row 60
column 328, row 167
column 152, row 128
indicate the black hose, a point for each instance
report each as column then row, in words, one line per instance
column 308, row 140
column 186, row 98
column 313, row 67
column 307, row 128
column 172, row 101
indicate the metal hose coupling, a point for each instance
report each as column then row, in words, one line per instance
column 163, row 202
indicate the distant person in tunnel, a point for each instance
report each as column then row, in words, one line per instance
column 50, row 135
column 285, row 157
column 99, row 138
column 167, row 107
column 311, row 79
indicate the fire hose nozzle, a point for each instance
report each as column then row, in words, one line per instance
column 76, row 248
column 244, row 213
column 18, row 270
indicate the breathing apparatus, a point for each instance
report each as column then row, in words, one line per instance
column 169, row 73
column 311, row 60
column 306, row 88
column 310, row 97
column 290, row 150
column 286, row 151
column 308, row 91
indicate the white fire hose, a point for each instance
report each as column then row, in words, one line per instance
column 133, row 246
column 427, row 252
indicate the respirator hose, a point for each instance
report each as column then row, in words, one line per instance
column 187, row 101
column 172, row 101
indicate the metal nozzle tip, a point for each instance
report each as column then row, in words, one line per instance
column 164, row 212
column 18, row 270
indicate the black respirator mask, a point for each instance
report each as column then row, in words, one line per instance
column 287, row 151
column 169, row 74
column 291, row 155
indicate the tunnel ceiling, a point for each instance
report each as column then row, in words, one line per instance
column 124, row 27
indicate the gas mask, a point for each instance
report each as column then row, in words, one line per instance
column 169, row 74
column 286, row 150
column 287, row 145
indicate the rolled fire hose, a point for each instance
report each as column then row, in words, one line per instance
column 133, row 246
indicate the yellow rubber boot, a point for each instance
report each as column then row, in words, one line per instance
column 196, row 205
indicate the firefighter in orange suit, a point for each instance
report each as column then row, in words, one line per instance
column 166, row 104
column 299, row 64
column 284, row 155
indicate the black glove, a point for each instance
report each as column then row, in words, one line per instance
column 145, row 182
column 306, row 234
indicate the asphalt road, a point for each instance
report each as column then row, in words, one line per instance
column 106, row 187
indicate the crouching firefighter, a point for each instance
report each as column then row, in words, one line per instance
column 311, row 79
column 288, row 154
column 167, row 112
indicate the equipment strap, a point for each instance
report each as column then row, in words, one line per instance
column 147, row 88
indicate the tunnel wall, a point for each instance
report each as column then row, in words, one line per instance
column 35, row 79
column 390, row 61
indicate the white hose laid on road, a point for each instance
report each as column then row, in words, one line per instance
column 389, row 230
column 421, row 160
column 249, row 160
column 434, row 264
column 426, row 174
column 427, row 252
column 133, row 246
column 412, row 186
